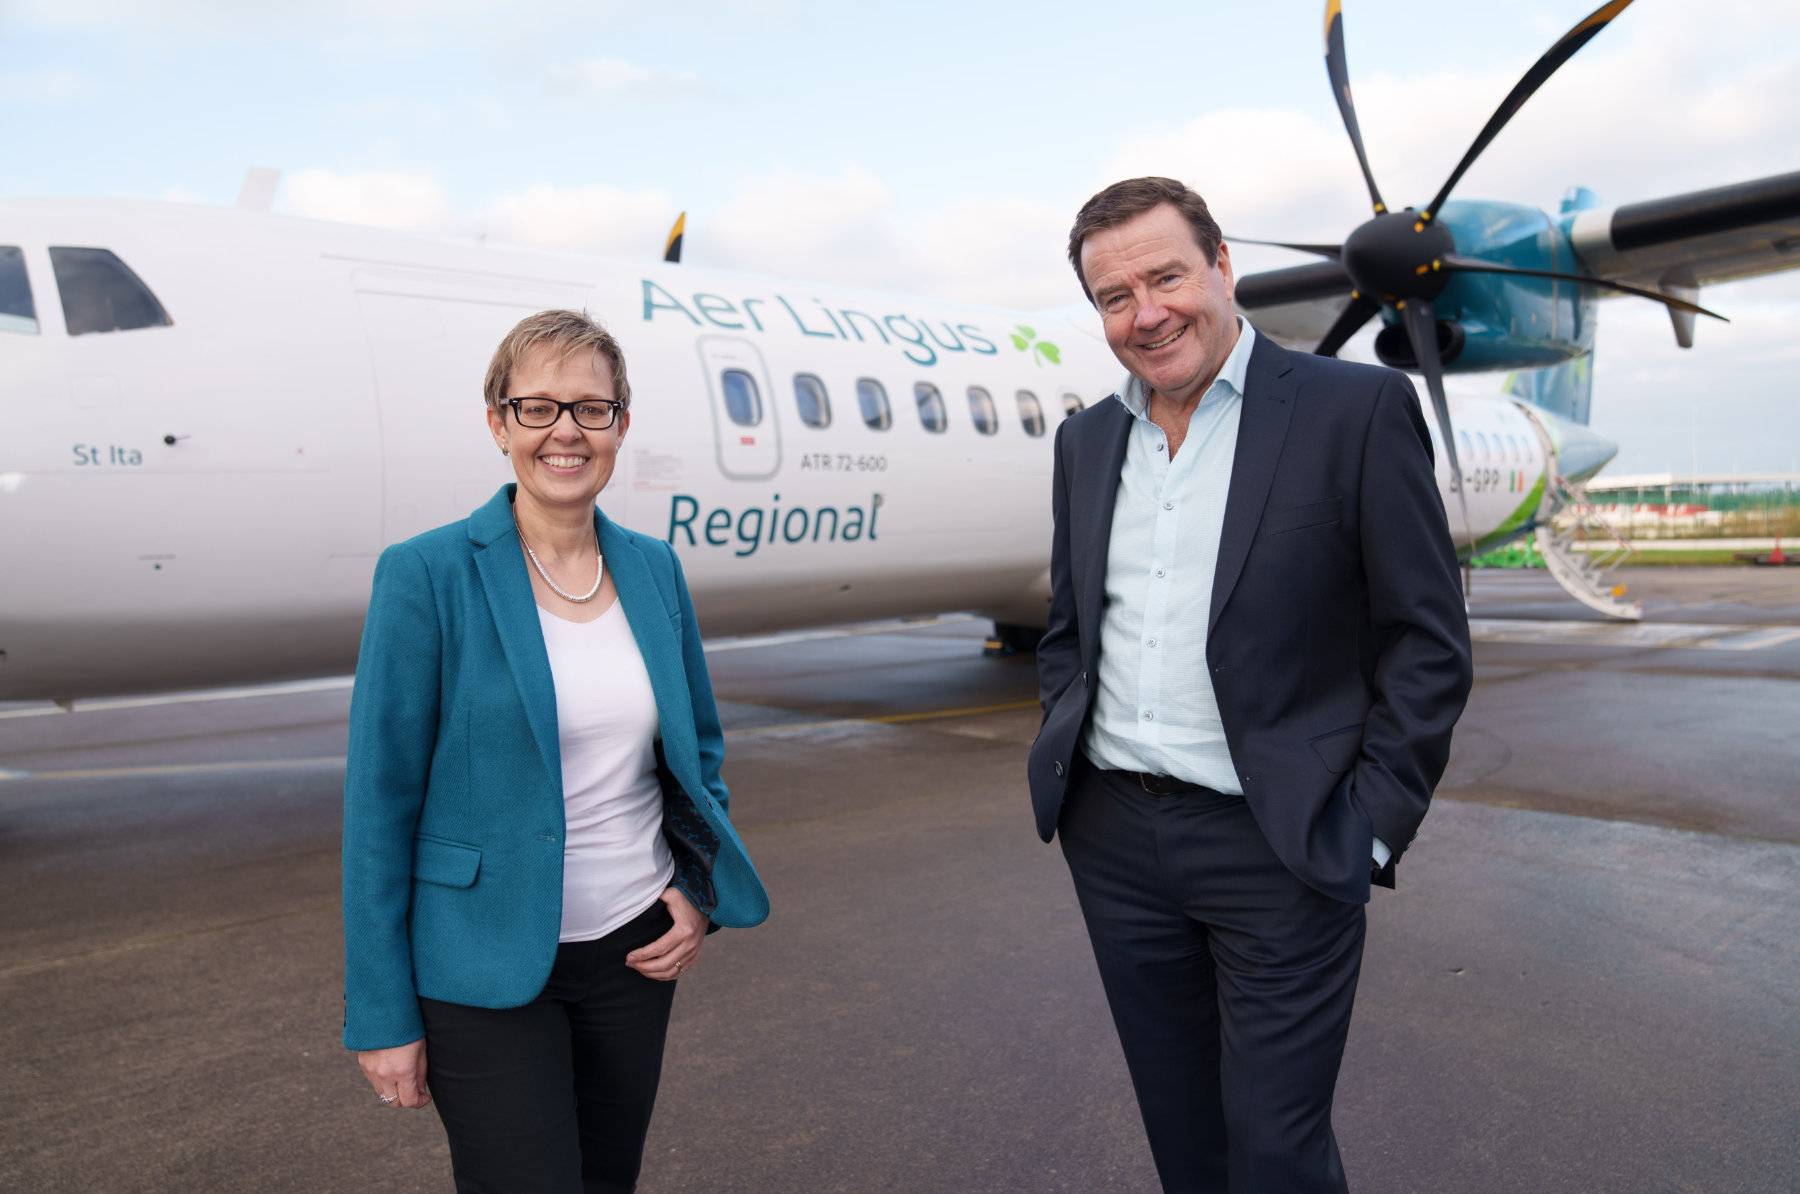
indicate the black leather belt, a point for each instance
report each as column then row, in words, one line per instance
column 1164, row 785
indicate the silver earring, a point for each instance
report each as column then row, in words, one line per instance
column 505, row 451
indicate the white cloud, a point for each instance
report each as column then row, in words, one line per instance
column 215, row 16
column 400, row 199
column 1007, row 252
column 617, row 79
column 1656, row 105
column 845, row 229
column 1663, row 102
column 1728, row 404
column 512, row 40
column 811, row 227
column 1267, row 173
column 841, row 229
column 597, row 219
column 1695, row 97
column 833, row 229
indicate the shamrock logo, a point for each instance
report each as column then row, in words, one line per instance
column 1042, row 350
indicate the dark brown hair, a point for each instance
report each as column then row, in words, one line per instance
column 1123, row 201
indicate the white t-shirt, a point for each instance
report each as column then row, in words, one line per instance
column 616, row 862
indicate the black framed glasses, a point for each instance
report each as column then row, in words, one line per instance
column 595, row 414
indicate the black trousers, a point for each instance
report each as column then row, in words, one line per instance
column 1230, row 982
column 555, row 1097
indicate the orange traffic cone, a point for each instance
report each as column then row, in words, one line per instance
column 1776, row 556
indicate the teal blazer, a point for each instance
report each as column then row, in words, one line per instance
column 453, row 796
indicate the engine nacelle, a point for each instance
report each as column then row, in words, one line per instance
column 1497, row 321
column 1395, row 349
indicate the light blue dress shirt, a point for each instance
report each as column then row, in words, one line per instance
column 1155, row 710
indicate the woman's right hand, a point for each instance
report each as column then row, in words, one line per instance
column 397, row 1072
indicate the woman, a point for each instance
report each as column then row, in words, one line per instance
column 535, row 832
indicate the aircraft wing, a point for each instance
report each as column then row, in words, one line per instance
column 1296, row 306
column 1696, row 239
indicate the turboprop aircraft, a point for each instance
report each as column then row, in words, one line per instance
column 220, row 417
column 1482, row 285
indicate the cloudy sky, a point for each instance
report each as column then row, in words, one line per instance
column 936, row 147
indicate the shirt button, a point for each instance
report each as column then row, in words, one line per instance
column 1159, row 447
column 1168, row 505
column 1159, row 572
column 1148, row 715
column 1152, row 642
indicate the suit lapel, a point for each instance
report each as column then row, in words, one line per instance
column 1262, row 428
column 647, row 611
column 500, row 561
column 1090, row 523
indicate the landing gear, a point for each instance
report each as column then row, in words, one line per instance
column 1009, row 638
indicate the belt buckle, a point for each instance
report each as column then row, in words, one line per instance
column 1156, row 785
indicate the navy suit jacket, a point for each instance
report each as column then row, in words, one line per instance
column 1338, row 639
column 453, row 795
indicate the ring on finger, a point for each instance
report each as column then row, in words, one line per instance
column 388, row 1100
column 678, row 967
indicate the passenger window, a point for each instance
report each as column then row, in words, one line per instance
column 1468, row 453
column 931, row 407
column 1481, row 441
column 101, row 294
column 17, row 312
column 1030, row 413
column 742, row 400
column 1072, row 405
column 981, row 409
column 873, row 399
column 810, row 397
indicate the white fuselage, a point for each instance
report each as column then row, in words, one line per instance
column 203, row 503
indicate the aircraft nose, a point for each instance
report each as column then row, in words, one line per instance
column 1580, row 453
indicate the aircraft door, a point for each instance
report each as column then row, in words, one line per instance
column 746, row 433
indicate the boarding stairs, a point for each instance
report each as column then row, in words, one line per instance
column 1575, row 561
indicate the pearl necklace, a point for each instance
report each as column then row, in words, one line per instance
column 599, row 568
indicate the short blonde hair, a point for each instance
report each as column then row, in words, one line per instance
column 563, row 332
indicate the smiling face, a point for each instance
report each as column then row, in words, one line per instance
column 562, row 466
column 1167, row 312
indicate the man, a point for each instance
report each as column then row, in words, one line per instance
column 1257, row 650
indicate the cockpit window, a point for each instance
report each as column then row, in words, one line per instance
column 17, row 312
column 101, row 294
